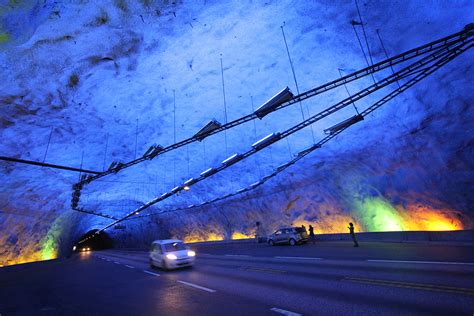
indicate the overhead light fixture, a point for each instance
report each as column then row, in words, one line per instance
column 266, row 178
column 255, row 184
column 152, row 151
column 344, row 124
column 266, row 141
column 188, row 183
column 118, row 167
column 149, row 150
column 115, row 166
column 191, row 206
column 284, row 166
column 232, row 159
column 165, row 195
column 208, row 172
column 136, row 213
column 278, row 99
column 112, row 165
column 207, row 129
column 241, row 190
column 306, row 151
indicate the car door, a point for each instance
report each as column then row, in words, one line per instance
column 161, row 255
column 157, row 254
column 285, row 236
column 278, row 236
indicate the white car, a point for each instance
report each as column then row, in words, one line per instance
column 170, row 254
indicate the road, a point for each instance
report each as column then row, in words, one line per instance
column 329, row 278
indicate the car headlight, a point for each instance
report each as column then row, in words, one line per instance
column 171, row 256
column 191, row 253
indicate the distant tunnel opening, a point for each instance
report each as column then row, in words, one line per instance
column 98, row 242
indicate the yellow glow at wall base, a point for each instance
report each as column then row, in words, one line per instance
column 201, row 238
column 238, row 235
column 421, row 217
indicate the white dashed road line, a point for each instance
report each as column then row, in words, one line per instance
column 237, row 255
column 197, row 286
column 284, row 312
column 131, row 267
column 424, row 262
column 116, row 262
column 301, row 258
column 152, row 273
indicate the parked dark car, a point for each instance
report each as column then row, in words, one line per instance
column 291, row 235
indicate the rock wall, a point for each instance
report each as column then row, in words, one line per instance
column 86, row 83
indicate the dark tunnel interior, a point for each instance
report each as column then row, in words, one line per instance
column 99, row 242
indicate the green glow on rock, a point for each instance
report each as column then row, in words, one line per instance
column 4, row 37
column 49, row 250
column 377, row 214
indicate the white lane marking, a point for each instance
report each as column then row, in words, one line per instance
column 424, row 262
column 302, row 258
column 152, row 273
column 131, row 267
column 197, row 286
column 284, row 312
column 237, row 255
column 116, row 262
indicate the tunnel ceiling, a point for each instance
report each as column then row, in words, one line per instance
column 86, row 84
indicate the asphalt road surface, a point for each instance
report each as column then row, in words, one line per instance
column 329, row 278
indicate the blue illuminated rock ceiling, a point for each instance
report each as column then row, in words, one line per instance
column 102, row 77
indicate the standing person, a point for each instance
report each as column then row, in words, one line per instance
column 304, row 228
column 351, row 231
column 311, row 234
column 258, row 233
column 261, row 234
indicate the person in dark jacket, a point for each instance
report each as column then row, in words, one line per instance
column 351, row 231
column 311, row 234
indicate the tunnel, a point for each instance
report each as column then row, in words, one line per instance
column 192, row 121
column 93, row 241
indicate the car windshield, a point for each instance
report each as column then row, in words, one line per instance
column 174, row 246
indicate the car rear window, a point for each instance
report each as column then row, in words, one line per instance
column 300, row 230
column 175, row 246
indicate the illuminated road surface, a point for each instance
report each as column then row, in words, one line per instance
column 329, row 278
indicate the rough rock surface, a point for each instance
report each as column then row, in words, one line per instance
column 99, row 77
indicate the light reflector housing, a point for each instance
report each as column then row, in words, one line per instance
column 208, row 172
column 308, row 150
column 207, row 129
column 267, row 140
column 278, row 99
column 344, row 124
column 232, row 159
column 153, row 151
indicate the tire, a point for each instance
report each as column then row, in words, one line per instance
column 292, row 242
column 271, row 242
